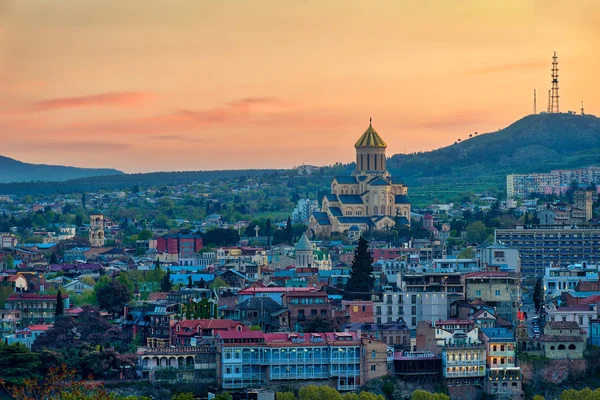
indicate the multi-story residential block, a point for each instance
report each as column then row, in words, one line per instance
column 151, row 323
column 499, row 289
column 523, row 185
column 539, row 248
column 411, row 307
column 303, row 210
column 434, row 335
column 35, row 308
column 504, row 377
column 431, row 281
column 263, row 312
column 182, row 245
column 558, row 280
column 500, row 257
column 252, row 358
column 306, row 306
column 463, row 357
column 359, row 311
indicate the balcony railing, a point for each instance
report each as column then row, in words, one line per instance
column 348, row 387
column 464, row 374
column 300, row 375
column 465, row 362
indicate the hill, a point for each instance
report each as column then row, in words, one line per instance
column 12, row 170
column 536, row 143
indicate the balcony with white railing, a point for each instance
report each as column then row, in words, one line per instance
column 459, row 363
column 464, row 374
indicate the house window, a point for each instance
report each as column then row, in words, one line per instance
column 373, row 368
column 413, row 310
column 478, row 293
column 497, row 293
column 413, row 321
column 413, row 299
column 494, row 347
column 373, row 354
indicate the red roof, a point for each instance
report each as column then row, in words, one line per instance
column 275, row 290
column 39, row 327
column 427, row 216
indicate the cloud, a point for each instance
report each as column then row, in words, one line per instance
column 117, row 99
column 530, row 65
column 65, row 144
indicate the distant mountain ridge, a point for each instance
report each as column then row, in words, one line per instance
column 12, row 170
column 535, row 143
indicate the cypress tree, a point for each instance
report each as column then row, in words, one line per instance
column 60, row 306
column 268, row 232
column 289, row 233
column 361, row 280
column 190, row 284
column 166, row 282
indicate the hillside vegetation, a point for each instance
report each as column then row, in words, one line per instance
column 536, row 143
column 12, row 170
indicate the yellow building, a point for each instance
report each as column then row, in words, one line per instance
column 368, row 198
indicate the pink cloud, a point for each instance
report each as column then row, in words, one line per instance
column 117, row 99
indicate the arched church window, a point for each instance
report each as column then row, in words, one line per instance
column 375, row 210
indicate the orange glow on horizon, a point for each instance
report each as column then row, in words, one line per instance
column 149, row 85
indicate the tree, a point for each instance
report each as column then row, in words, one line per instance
column 190, row 283
column 361, row 281
column 285, row 396
column 53, row 259
column 183, row 396
column 268, row 232
column 157, row 265
column 83, row 200
column 538, row 294
column 289, row 232
column 9, row 261
column 476, row 232
column 224, row 396
column 217, row 283
column 166, row 282
column 424, row 395
column 17, row 363
column 145, row 234
column 112, row 297
column 60, row 307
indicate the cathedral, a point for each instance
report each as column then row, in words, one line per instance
column 368, row 199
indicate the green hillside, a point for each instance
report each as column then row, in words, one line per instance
column 536, row 143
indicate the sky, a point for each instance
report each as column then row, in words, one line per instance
column 165, row 85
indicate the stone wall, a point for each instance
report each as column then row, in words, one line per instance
column 554, row 371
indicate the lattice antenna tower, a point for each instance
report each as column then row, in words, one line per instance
column 534, row 103
column 582, row 109
column 555, row 108
column 549, row 109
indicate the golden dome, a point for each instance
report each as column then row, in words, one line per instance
column 370, row 138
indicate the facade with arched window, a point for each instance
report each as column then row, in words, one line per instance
column 369, row 198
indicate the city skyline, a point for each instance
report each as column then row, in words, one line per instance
column 148, row 86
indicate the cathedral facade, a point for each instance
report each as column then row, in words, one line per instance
column 369, row 198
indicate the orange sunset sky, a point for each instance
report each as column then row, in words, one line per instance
column 149, row 85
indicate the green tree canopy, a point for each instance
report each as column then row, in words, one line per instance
column 361, row 282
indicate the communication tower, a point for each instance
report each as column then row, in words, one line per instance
column 582, row 109
column 549, row 110
column 534, row 103
column 554, row 107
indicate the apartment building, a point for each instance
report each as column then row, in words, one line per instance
column 558, row 279
column 338, row 359
column 504, row 377
column 500, row 257
column 411, row 307
column 540, row 248
column 499, row 289
column 306, row 306
column 35, row 308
